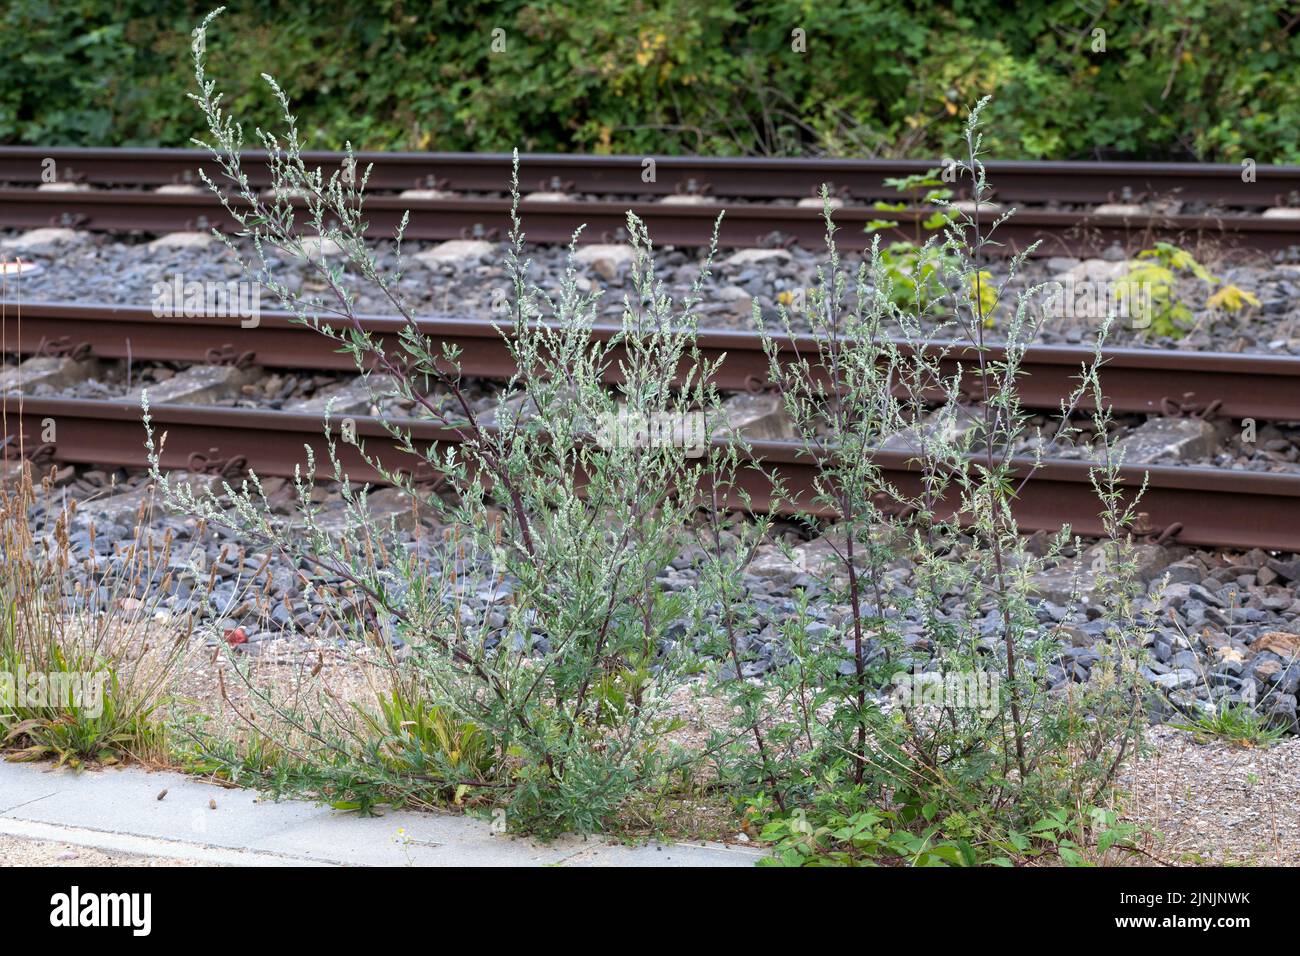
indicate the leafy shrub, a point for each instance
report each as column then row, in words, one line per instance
column 914, row 274
column 939, row 781
column 556, row 711
column 1151, row 282
column 559, row 706
column 1184, row 79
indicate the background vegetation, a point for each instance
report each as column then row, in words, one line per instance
column 1179, row 79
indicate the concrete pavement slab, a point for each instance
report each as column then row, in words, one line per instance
column 17, row 789
column 118, row 809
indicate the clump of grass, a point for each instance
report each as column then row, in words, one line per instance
column 417, row 737
column 1238, row 724
column 87, row 649
column 1243, row 721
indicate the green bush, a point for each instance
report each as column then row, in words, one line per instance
column 1181, row 79
column 557, row 710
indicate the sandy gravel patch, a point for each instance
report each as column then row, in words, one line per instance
column 20, row 851
column 1217, row 804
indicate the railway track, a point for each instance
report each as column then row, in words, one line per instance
column 747, row 223
column 1194, row 505
column 1197, row 506
column 1135, row 380
column 1201, row 506
column 856, row 179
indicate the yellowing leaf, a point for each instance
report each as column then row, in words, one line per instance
column 1173, row 257
column 1231, row 299
column 1160, row 279
column 983, row 287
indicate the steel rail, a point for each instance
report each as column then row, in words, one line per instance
column 1134, row 380
column 758, row 178
column 1195, row 506
column 745, row 225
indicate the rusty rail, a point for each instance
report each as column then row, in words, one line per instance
column 1195, row 506
column 756, row 178
column 745, row 225
column 1134, row 380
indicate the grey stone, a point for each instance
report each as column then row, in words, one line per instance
column 49, row 371
column 1168, row 439
column 200, row 384
column 1281, row 711
column 349, row 398
column 1075, row 636
column 815, row 202
column 1176, row 679
column 383, row 506
column 1181, row 595
column 1059, row 584
column 938, row 427
column 426, row 194
column 1119, row 209
column 746, row 257
column 816, row 557
column 688, row 199
column 605, row 259
column 1288, row 682
column 1287, row 570
column 969, row 206
column 760, row 416
column 1150, row 559
column 182, row 241
column 456, row 252
column 1097, row 270
column 41, row 241
column 1181, row 572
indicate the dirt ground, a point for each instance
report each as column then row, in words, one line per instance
column 1199, row 803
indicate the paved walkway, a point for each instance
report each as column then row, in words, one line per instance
column 118, row 810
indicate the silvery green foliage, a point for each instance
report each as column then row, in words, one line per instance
column 872, row 382
column 548, row 505
column 564, row 683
